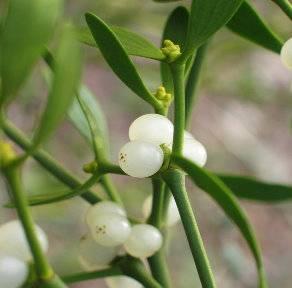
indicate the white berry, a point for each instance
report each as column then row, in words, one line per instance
column 110, row 229
column 286, row 53
column 144, row 241
column 13, row 272
column 122, row 282
column 140, row 159
column 152, row 128
column 194, row 151
column 13, row 240
column 172, row 213
column 104, row 207
column 93, row 256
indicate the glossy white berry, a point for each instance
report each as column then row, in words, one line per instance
column 122, row 282
column 152, row 128
column 144, row 241
column 13, row 272
column 194, row 151
column 13, row 240
column 172, row 213
column 286, row 54
column 104, row 207
column 110, row 229
column 93, row 256
column 140, row 159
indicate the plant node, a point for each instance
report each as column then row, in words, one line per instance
column 7, row 153
column 90, row 167
column 170, row 50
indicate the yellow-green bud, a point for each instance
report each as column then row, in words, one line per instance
column 164, row 97
column 90, row 167
column 170, row 50
column 7, row 153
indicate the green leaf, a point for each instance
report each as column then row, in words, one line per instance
column 211, row 184
column 133, row 43
column 252, row 189
column 175, row 30
column 118, row 59
column 66, row 74
column 207, row 17
column 248, row 24
column 77, row 117
column 26, row 30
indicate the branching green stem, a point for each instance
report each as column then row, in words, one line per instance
column 109, row 272
column 179, row 107
column 157, row 262
column 110, row 189
column 286, row 6
column 42, row 266
column 47, row 161
column 176, row 182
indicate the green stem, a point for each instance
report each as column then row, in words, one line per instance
column 176, row 182
column 193, row 81
column 110, row 189
column 47, row 162
column 286, row 6
column 112, row 271
column 134, row 268
column 157, row 262
column 42, row 266
column 179, row 107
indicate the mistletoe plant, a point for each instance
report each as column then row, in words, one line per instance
column 158, row 149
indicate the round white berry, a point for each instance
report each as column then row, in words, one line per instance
column 144, row 241
column 122, row 282
column 152, row 128
column 286, row 53
column 104, row 207
column 188, row 135
column 194, row 151
column 140, row 159
column 93, row 256
column 13, row 272
column 13, row 240
column 172, row 213
column 110, row 229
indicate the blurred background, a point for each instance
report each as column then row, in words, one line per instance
column 242, row 115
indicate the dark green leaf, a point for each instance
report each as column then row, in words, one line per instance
column 133, row 43
column 207, row 17
column 79, row 120
column 175, row 30
column 247, row 23
column 252, row 189
column 117, row 58
column 211, row 184
column 66, row 74
column 25, row 32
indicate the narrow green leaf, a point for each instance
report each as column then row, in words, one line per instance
column 252, row 189
column 66, row 74
column 118, row 59
column 78, row 119
column 211, row 184
column 248, row 24
column 133, row 43
column 26, row 30
column 175, row 30
column 207, row 17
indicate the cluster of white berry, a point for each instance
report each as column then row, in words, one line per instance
column 110, row 232
column 143, row 157
column 15, row 253
column 286, row 54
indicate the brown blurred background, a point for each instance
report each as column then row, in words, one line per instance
column 243, row 116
